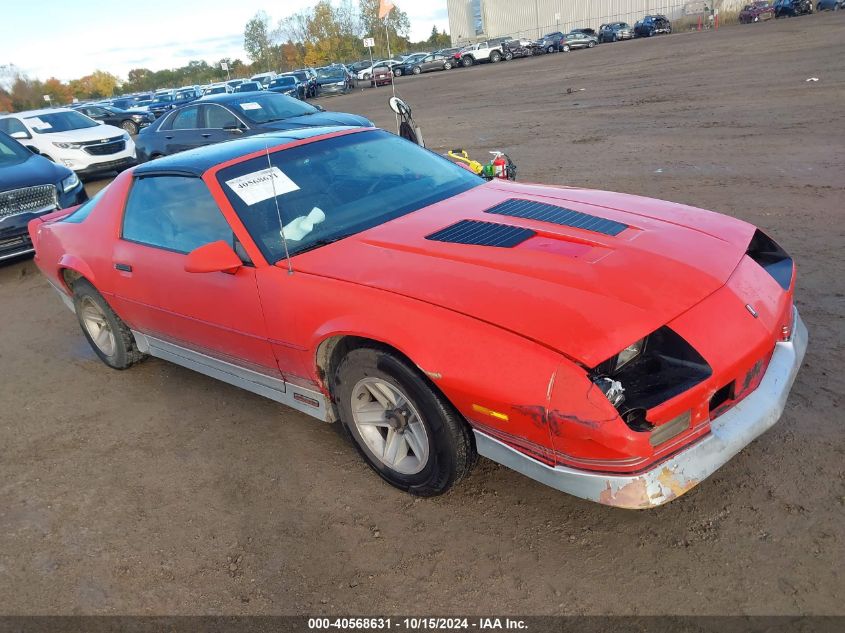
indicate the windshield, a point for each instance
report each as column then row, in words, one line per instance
column 330, row 189
column 283, row 81
column 11, row 151
column 50, row 122
column 268, row 107
column 331, row 73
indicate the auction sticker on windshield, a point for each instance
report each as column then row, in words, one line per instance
column 262, row 185
column 250, row 105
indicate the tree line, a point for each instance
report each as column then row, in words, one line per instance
column 323, row 34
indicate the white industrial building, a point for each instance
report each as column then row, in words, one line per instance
column 474, row 20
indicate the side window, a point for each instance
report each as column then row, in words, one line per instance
column 185, row 119
column 218, row 117
column 12, row 125
column 176, row 213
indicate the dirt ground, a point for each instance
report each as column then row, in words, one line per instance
column 161, row 491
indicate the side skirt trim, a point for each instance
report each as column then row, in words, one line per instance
column 305, row 400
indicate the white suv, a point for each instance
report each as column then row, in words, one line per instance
column 71, row 139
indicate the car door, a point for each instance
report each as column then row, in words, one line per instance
column 217, row 314
column 219, row 124
column 182, row 130
column 427, row 63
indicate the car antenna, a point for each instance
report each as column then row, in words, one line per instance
column 276, row 200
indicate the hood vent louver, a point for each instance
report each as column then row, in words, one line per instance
column 482, row 234
column 531, row 210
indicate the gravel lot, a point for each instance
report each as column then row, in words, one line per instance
column 160, row 491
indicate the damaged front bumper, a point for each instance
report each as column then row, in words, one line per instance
column 729, row 434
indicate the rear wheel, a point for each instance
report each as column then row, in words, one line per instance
column 495, row 56
column 406, row 431
column 508, row 56
column 550, row 49
column 591, row 44
column 416, row 70
column 397, row 72
column 447, row 65
column 108, row 336
column 565, row 48
column 467, row 61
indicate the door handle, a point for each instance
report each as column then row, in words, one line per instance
column 206, row 135
column 169, row 138
column 126, row 268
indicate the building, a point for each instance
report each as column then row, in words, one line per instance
column 474, row 20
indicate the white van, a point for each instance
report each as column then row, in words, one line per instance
column 71, row 139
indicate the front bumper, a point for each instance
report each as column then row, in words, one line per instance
column 729, row 434
column 110, row 165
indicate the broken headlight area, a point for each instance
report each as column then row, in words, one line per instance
column 648, row 373
column 772, row 258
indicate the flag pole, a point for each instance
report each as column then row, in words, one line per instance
column 389, row 7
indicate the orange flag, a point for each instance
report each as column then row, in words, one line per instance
column 384, row 7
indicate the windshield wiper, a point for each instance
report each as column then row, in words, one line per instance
column 325, row 241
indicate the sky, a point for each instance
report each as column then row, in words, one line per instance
column 71, row 38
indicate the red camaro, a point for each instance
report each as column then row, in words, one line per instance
column 614, row 347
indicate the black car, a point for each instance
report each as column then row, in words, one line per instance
column 130, row 120
column 30, row 185
column 334, row 79
column 615, row 31
column 287, row 85
column 217, row 118
column 791, row 8
column 309, row 78
column 652, row 25
column 551, row 42
column 519, row 48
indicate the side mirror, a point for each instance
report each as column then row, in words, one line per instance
column 20, row 135
column 320, row 108
column 217, row 257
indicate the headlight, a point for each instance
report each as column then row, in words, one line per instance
column 628, row 354
column 125, row 136
column 138, row 117
column 68, row 145
column 70, row 182
column 340, row 83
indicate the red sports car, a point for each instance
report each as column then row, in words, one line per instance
column 614, row 347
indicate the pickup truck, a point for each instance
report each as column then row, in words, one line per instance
column 489, row 51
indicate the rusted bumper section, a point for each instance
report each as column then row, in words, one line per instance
column 729, row 434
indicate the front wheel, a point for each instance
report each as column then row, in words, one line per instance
column 466, row 62
column 107, row 334
column 550, row 49
column 416, row 70
column 565, row 48
column 397, row 72
column 495, row 56
column 591, row 44
column 406, row 431
column 508, row 56
column 447, row 66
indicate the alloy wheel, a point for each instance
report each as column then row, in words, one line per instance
column 97, row 325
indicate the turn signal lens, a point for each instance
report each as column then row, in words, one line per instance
column 672, row 428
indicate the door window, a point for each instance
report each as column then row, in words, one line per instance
column 185, row 119
column 12, row 125
column 218, row 117
column 176, row 213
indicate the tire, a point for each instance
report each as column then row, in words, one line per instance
column 467, row 61
column 416, row 70
column 591, row 44
column 130, row 127
column 397, row 72
column 550, row 49
column 495, row 56
column 508, row 56
column 447, row 65
column 426, row 423
column 566, row 48
column 107, row 335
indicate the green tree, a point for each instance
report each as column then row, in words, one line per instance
column 257, row 40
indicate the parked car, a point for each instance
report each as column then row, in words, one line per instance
column 382, row 75
column 162, row 102
column 125, row 103
column 637, row 367
column 234, row 83
column 334, row 79
column 287, row 85
column 756, row 12
column 830, row 5
column 432, row 61
column 250, row 86
column 217, row 89
column 30, row 186
column 792, row 8
column 219, row 118
column 366, row 73
column 577, row 39
column 519, row 48
column 586, row 32
column 310, row 78
column 551, row 42
column 615, row 31
column 71, row 139
column 652, row 25
column 488, row 51
column 404, row 67
column 263, row 78
column 130, row 120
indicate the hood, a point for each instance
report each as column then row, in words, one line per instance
column 585, row 294
column 35, row 170
column 94, row 133
column 319, row 119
